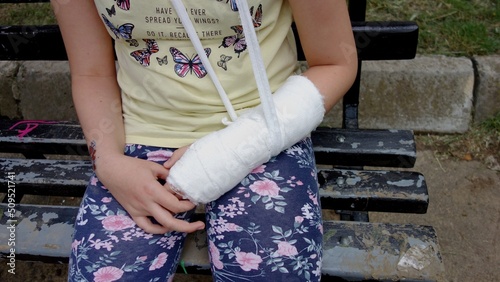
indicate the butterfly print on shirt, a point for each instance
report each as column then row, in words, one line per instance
column 133, row 42
column 238, row 40
column 144, row 56
column 223, row 61
column 184, row 64
column 124, row 31
column 162, row 61
column 232, row 3
column 257, row 20
column 123, row 4
column 111, row 11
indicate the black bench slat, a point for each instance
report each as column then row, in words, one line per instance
column 365, row 190
column 352, row 250
column 381, row 40
column 41, row 130
column 48, row 177
column 43, row 137
column 374, row 40
column 360, row 251
column 354, row 147
column 346, row 147
column 31, row 43
column 353, row 190
column 386, row 40
column 42, row 232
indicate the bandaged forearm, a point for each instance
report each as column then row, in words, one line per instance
column 217, row 162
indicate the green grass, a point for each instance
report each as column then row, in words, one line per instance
column 492, row 124
column 449, row 27
column 19, row 14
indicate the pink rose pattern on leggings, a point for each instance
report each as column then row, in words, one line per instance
column 268, row 228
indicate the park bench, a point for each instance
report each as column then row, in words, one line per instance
column 49, row 158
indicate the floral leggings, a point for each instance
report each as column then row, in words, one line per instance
column 268, row 228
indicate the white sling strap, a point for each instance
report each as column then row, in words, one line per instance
column 259, row 69
column 188, row 26
column 260, row 74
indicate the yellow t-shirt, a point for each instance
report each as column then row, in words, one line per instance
column 168, row 98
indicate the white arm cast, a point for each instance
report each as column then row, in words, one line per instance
column 217, row 162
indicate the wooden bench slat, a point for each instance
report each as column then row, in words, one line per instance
column 374, row 40
column 346, row 147
column 352, row 250
column 31, row 43
column 354, row 147
column 48, row 177
column 52, row 226
column 390, row 40
column 341, row 189
column 360, row 251
column 365, row 190
column 40, row 131
column 38, row 137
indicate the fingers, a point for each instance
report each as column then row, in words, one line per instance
column 186, row 227
column 148, row 226
column 164, row 196
column 174, row 202
column 179, row 196
column 175, row 224
column 163, row 206
column 143, row 197
column 167, row 223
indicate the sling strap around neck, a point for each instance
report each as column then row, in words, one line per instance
column 259, row 69
column 195, row 40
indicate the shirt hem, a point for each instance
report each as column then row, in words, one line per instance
column 157, row 142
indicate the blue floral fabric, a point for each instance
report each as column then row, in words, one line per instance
column 268, row 228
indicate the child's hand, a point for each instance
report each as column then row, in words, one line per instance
column 134, row 184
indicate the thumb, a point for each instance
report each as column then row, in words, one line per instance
column 175, row 157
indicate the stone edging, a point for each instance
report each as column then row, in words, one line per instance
column 430, row 93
